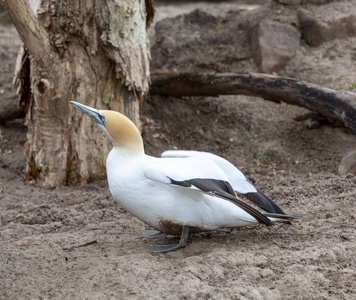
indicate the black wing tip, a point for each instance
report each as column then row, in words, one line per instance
column 260, row 217
column 281, row 216
column 264, row 202
column 223, row 189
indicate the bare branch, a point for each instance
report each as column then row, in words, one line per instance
column 337, row 105
column 33, row 35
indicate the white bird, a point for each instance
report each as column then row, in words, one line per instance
column 180, row 192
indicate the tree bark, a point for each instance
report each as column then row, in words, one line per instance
column 336, row 105
column 93, row 52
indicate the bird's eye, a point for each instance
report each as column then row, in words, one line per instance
column 102, row 119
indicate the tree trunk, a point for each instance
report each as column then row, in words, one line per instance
column 93, row 52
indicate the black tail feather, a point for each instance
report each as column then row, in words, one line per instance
column 280, row 216
column 264, row 202
column 260, row 217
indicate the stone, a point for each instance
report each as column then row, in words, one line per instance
column 204, row 41
column 320, row 24
column 274, row 45
column 9, row 107
column 348, row 163
column 289, row 2
column 298, row 2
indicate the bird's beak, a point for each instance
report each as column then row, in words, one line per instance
column 91, row 112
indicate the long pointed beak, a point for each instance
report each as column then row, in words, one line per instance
column 91, row 112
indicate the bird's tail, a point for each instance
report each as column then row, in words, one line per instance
column 279, row 217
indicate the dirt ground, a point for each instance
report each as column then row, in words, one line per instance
column 312, row 258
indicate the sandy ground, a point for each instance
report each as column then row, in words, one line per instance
column 312, row 258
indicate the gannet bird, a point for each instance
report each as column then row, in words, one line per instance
column 180, row 192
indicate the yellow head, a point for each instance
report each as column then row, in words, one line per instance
column 121, row 131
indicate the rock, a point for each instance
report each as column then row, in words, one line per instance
column 274, row 44
column 328, row 22
column 9, row 101
column 289, row 2
column 202, row 41
column 297, row 2
column 9, row 108
column 348, row 163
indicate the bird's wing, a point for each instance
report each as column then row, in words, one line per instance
column 199, row 174
column 235, row 177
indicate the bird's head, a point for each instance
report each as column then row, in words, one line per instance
column 121, row 131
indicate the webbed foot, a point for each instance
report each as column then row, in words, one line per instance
column 153, row 234
column 183, row 242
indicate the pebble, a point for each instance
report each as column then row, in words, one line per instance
column 347, row 163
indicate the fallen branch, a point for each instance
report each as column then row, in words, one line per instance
column 336, row 105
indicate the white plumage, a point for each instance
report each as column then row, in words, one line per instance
column 234, row 175
column 182, row 190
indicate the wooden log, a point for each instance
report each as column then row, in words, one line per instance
column 336, row 105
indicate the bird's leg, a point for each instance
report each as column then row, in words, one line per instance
column 183, row 242
column 152, row 234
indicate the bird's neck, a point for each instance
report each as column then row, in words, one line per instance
column 125, row 139
column 129, row 148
